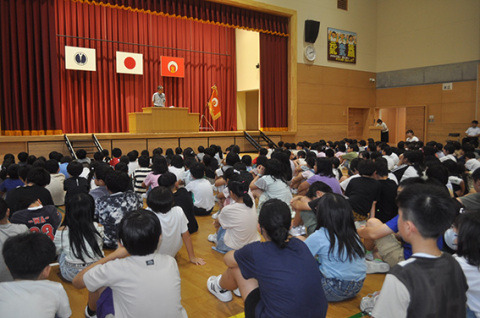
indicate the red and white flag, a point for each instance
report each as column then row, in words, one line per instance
column 129, row 63
column 213, row 104
column 80, row 58
column 172, row 66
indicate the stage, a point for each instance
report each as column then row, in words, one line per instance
column 43, row 145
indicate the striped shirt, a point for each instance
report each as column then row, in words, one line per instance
column 139, row 176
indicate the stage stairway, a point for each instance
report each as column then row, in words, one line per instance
column 258, row 140
column 89, row 145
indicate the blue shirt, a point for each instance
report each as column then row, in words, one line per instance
column 63, row 170
column 407, row 248
column 335, row 265
column 289, row 280
column 10, row 184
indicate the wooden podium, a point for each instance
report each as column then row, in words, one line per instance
column 375, row 133
column 162, row 119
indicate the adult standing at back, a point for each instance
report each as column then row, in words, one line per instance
column 384, row 132
column 472, row 134
column 158, row 98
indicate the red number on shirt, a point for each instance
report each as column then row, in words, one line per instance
column 46, row 229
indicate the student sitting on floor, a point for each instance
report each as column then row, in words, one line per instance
column 79, row 240
column 276, row 278
column 337, row 248
column 140, row 174
column 430, row 283
column 141, row 282
column 28, row 257
column 75, row 184
column 203, row 198
column 174, row 224
column 12, row 181
column 324, row 173
column 237, row 223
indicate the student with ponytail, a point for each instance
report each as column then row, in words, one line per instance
column 276, row 278
column 238, row 220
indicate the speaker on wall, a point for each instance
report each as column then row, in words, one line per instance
column 311, row 30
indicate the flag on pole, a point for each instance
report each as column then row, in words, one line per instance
column 80, row 58
column 129, row 63
column 172, row 66
column 213, row 105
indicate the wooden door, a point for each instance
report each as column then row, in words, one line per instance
column 356, row 122
column 415, row 120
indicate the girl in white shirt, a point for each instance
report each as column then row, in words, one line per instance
column 79, row 240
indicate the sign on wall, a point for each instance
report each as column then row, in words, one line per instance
column 342, row 46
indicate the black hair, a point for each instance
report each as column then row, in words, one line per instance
column 476, row 175
column 31, row 159
column 262, row 160
column 52, row 166
column 22, row 156
column 102, row 170
column 75, row 169
column 116, row 152
column 38, row 176
column 3, row 208
column 178, row 151
column 121, row 166
column 160, row 199
column 318, row 186
column 139, row 232
column 98, row 156
column 188, row 153
column 468, row 238
column 189, row 162
column 132, row 156
column 329, row 153
column 273, row 168
column 236, row 149
column 381, row 167
column 232, row 158
column 167, row 180
column 324, row 167
column 449, row 148
column 124, row 159
column 55, row 155
column 177, row 161
column 415, row 158
column 201, row 149
column 157, row 151
column 366, row 167
column 429, row 207
column 145, row 153
column 81, row 154
column 334, row 213
column 409, row 132
column 239, row 186
column 12, row 171
column 284, row 157
column 240, row 166
column 159, row 165
column 275, row 218
column 144, row 161
column 79, row 213
column 117, row 181
column 66, row 159
column 262, row 152
column 247, row 160
column 197, row 170
column 301, row 154
column 475, row 122
column 26, row 255
column 280, row 144
column 39, row 163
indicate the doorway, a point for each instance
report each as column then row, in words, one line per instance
column 357, row 120
column 400, row 119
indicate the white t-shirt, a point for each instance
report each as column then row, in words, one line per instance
column 395, row 158
column 472, row 273
column 473, row 131
column 62, row 243
column 240, row 223
column 410, row 172
column 390, row 162
column 174, row 224
column 273, row 189
column 132, row 166
column 472, row 164
column 412, row 139
column 448, row 157
column 56, row 188
column 202, row 193
column 142, row 286
column 345, row 182
column 179, row 172
column 33, row 298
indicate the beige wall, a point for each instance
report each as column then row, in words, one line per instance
column 412, row 33
column 360, row 18
column 248, row 56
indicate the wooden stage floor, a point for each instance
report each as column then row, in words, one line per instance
column 196, row 299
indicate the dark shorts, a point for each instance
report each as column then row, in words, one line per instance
column 251, row 303
column 105, row 303
column 201, row 211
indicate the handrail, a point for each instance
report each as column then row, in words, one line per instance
column 252, row 141
column 70, row 147
column 97, row 143
column 267, row 139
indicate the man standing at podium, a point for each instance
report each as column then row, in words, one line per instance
column 158, row 99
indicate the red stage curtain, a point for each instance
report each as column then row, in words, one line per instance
column 273, row 82
column 28, row 90
column 100, row 101
column 212, row 12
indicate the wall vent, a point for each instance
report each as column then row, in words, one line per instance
column 342, row 4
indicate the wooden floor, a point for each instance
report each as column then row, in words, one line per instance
column 196, row 299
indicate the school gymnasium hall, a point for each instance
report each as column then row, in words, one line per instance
column 81, row 74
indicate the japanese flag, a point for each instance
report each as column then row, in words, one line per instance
column 80, row 58
column 129, row 63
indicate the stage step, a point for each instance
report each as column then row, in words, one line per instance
column 91, row 146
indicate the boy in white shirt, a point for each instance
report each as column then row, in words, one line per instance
column 411, row 136
column 28, row 257
column 203, row 198
column 142, row 283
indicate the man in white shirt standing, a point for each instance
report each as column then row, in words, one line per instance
column 158, row 98
column 472, row 134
